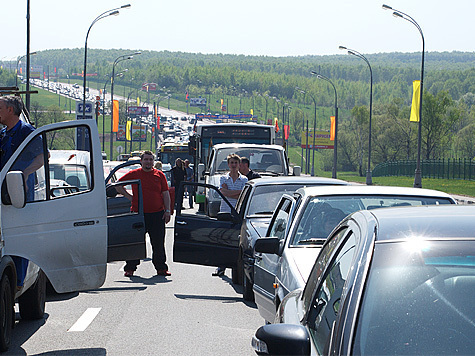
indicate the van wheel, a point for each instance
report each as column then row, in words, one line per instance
column 6, row 313
column 32, row 302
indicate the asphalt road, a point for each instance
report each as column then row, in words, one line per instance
column 189, row 313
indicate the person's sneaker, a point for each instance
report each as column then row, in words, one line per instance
column 128, row 273
column 163, row 272
column 218, row 273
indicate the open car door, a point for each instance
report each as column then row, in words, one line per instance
column 202, row 240
column 63, row 232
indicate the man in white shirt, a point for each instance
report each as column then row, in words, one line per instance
column 230, row 185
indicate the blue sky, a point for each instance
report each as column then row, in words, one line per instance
column 251, row 27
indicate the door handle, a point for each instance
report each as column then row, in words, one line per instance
column 138, row 226
column 181, row 223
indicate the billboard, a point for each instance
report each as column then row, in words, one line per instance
column 138, row 110
column 137, row 132
column 149, row 86
column 322, row 140
column 198, row 101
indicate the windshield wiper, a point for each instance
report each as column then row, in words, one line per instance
column 313, row 241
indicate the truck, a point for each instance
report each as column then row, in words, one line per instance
column 206, row 135
column 267, row 160
column 68, row 238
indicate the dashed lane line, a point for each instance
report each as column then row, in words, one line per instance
column 86, row 318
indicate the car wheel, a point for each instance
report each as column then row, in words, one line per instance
column 32, row 302
column 6, row 313
column 239, row 271
column 247, row 292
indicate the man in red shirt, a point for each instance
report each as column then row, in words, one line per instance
column 156, row 205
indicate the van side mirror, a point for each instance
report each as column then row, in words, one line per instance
column 16, row 189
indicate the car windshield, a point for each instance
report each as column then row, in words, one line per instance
column 260, row 159
column 265, row 197
column 73, row 174
column 322, row 214
column 419, row 300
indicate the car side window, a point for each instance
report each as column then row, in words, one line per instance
column 281, row 218
column 326, row 303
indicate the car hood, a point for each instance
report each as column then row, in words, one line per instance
column 260, row 225
column 297, row 264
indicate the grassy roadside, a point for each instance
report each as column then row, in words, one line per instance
column 459, row 187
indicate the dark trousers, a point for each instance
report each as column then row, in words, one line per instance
column 155, row 226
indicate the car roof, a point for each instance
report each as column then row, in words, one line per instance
column 247, row 145
column 429, row 221
column 369, row 190
column 294, row 180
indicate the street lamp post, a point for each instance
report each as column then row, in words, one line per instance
column 105, row 14
column 18, row 63
column 314, row 129
column 319, row 76
column 369, row 179
column 417, row 173
column 119, row 59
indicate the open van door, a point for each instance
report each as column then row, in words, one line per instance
column 64, row 234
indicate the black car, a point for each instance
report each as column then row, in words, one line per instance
column 200, row 239
column 395, row 281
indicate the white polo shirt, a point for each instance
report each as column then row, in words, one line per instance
column 232, row 185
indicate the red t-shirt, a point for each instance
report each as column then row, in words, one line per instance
column 154, row 183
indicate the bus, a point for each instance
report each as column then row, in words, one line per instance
column 170, row 151
column 207, row 135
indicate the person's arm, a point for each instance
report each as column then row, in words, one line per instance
column 36, row 164
column 234, row 194
column 121, row 190
column 166, row 202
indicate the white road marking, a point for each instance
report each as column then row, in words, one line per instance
column 86, row 318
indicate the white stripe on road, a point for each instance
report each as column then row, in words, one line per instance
column 85, row 319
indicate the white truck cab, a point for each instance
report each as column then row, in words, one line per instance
column 67, row 238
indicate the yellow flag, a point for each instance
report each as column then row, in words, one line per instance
column 127, row 131
column 138, row 101
column 252, row 112
column 332, row 128
column 416, row 100
column 222, row 102
column 115, row 112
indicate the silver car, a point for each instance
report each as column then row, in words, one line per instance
column 396, row 281
column 301, row 224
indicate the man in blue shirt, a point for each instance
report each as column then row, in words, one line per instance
column 30, row 160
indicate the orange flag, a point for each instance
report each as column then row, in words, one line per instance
column 332, row 128
column 115, row 113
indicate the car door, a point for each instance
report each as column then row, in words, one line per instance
column 126, row 229
column 203, row 240
column 266, row 264
column 65, row 235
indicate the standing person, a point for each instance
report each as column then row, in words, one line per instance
column 178, row 176
column 245, row 170
column 189, row 178
column 30, row 160
column 156, row 206
column 231, row 185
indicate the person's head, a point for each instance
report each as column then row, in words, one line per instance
column 158, row 165
column 244, row 165
column 233, row 161
column 10, row 110
column 146, row 160
column 187, row 163
column 179, row 162
column 331, row 218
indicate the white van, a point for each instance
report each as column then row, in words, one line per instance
column 67, row 238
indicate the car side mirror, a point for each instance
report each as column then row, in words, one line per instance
column 297, row 170
column 267, row 245
column 281, row 339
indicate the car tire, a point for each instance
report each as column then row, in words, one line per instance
column 239, row 270
column 247, row 292
column 6, row 313
column 32, row 302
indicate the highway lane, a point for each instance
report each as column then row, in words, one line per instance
column 190, row 312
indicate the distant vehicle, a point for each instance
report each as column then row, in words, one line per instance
column 123, row 157
column 300, row 226
column 168, row 152
column 395, row 281
column 267, row 160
